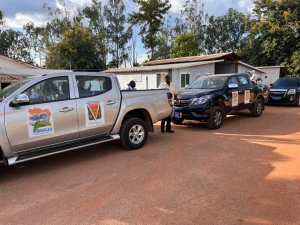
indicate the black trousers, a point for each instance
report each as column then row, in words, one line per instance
column 168, row 126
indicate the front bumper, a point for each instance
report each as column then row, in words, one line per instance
column 286, row 100
column 192, row 112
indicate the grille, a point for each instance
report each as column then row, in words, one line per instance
column 184, row 102
column 277, row 93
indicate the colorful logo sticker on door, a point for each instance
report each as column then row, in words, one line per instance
column 247, row 97
column 235, row 98
column 40, row 121
column 94, row 113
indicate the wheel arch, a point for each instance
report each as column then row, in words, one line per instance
column 142, row 114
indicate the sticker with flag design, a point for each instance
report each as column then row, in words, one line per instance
column 94, row 113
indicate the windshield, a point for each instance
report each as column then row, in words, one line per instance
column 11, row 88
column 287, row 82
column 208, row 82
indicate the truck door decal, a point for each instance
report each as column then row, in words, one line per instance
column 40, row 121
column 94, row 113
column 235, row 98
column 247, row 97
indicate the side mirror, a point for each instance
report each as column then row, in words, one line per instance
column 231, row 86
column 186, row 86
column 271, row 85
column 20, row 99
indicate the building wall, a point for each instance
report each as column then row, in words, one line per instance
column 272, row 74
column 243, row 69
column 142, row 79
column 194, row 71
column 226, row 68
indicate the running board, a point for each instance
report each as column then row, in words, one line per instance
column 41, row 152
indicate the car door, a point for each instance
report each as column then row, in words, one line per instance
column 98, row 103
column 246, row 97
column 49, row 118
column 233, row 94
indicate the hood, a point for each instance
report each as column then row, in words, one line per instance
column 284, row 87
column 194, row 93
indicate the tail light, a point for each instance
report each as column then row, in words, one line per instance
column 170, row 98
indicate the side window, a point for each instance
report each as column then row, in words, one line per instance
column 54, row 89
column 185, row 79
column 233, row 80
column 92, row 85
column 243, row 80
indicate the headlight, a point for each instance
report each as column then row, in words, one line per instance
column 201, row 100
column 292, row 92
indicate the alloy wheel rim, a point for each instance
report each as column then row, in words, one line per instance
column 259, row 108
column 136, row 134
column 218, row 118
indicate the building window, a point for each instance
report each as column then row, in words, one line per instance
column 185, row 79
column 158, row 80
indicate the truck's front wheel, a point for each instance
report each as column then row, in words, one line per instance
column 216, row 118
column 133, row 133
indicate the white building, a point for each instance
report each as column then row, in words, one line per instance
column 12, row 70
column 182, row 70
column 273, row 73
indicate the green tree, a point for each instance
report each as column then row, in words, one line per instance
column 274, row 25
column 150, row 18
column 15, row 45
column 2, row 22
column 185, row 45
column 116, row 33
column 77, row 50
column 194, row 20
column 225, row 33
column 96, row 19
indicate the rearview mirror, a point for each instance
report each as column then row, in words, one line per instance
column 20, row 99
column 230, row 86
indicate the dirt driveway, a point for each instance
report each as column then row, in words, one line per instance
column 247, row 172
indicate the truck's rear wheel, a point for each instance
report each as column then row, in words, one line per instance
column 216, row 118
column 177, row 121
column 133, row 133
column 257, row 108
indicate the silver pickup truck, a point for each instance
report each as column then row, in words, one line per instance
column 54, row 113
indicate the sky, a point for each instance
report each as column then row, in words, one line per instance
column 19, row 12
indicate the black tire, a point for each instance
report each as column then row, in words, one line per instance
column 257, row 108
column 298, row 102
column 133, row 133
column 216, row 118
column 177, row 121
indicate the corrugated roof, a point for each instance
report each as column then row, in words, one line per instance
column 227, row 55
column 19, row 61
column 158, row 67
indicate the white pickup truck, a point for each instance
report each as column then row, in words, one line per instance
column 54, row 113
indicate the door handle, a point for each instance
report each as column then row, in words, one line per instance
column 110, row 102
column 66, row 109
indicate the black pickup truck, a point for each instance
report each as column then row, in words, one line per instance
column 210, row 98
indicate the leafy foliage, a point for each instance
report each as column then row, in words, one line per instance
column 275, row 30
column 225, row 33
column 150, row 17
column 185, row 45
column 116, row 33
